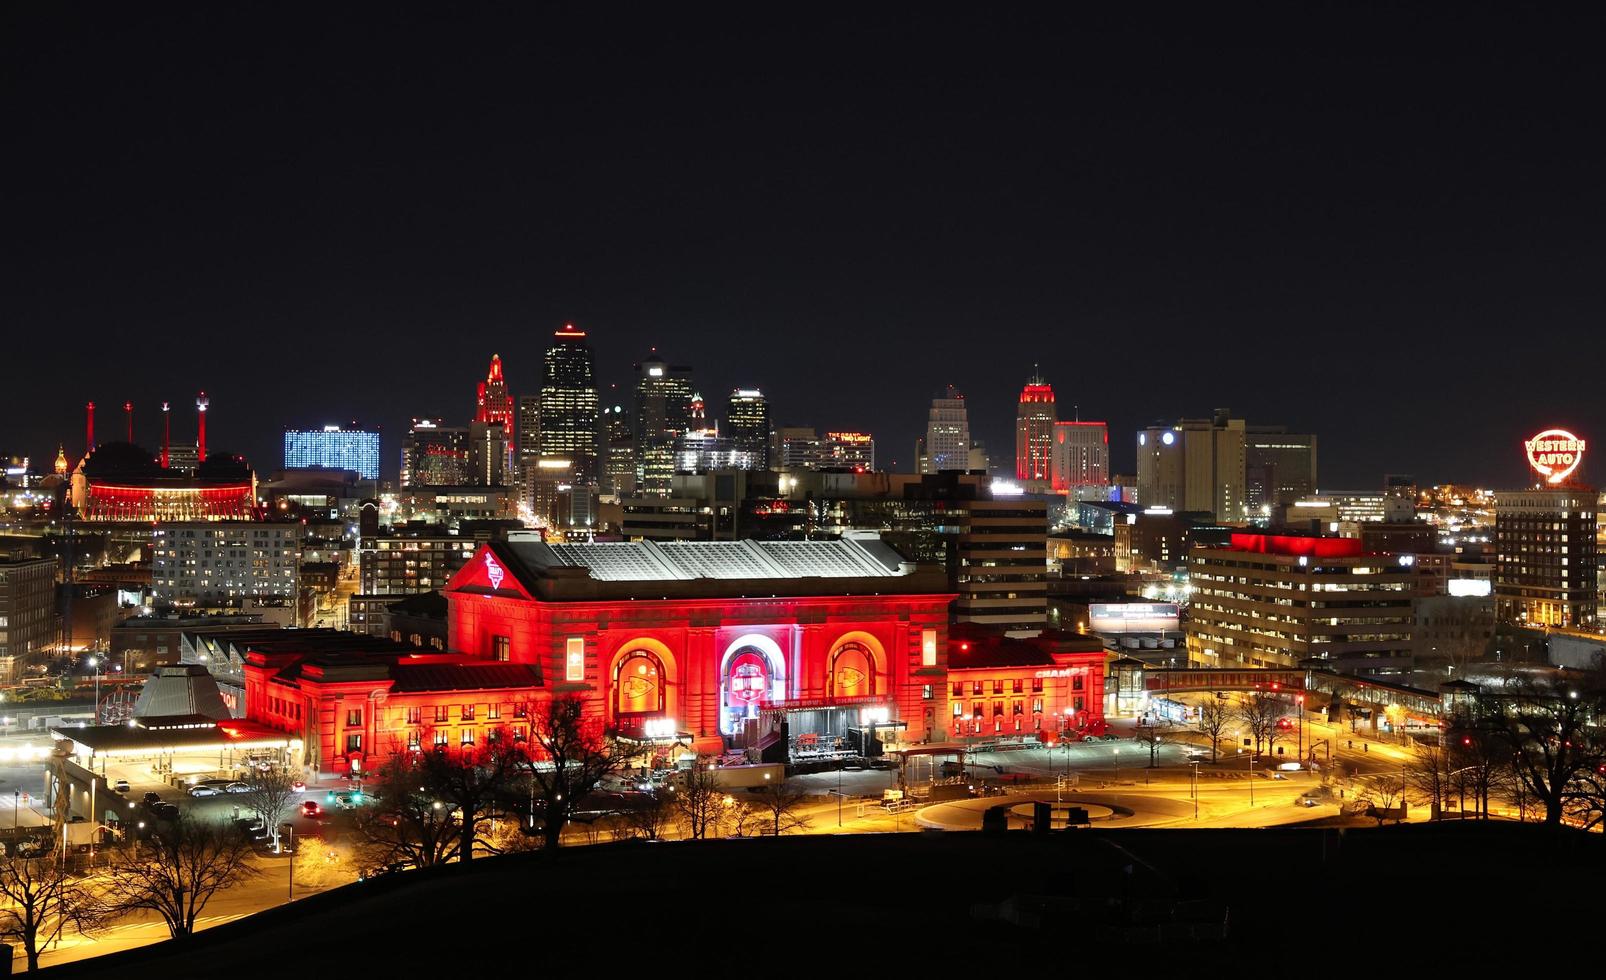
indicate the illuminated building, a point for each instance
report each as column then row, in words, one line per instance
column 528, row 434
column 1545, row 563
column 434, row 455
column 1000, row 557
column 848, row 451
column 487, row 454
column 225, row 562
column 1035, row 416
column 118, row 481
column 492, row 401
column 1270, row 600
column 1050, row 685
column 663, row 414
column 1195, row 465
column 796, row 447
column 1279, row 467
column 747, row 424
column 618, row 434
column 947, row 444
column 701, row 448
column 1079, row 460
column 404, row 562
column 27, row 614
column 569, row 405
column 333, row 448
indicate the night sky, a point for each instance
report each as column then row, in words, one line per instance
column 1378, row 225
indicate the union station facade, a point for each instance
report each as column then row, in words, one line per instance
column 784, row 650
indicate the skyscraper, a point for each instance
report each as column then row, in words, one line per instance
column 619, row 446
column 1080, row 459
column 527, row 438
column 569, row 405
column 434, row 455
column 495, row 404
column 1194, row 465
column 1034, row 430
column 1279, row 467
column 747, row 425
column 333, row 448
column 947, row 442
column 663, row 414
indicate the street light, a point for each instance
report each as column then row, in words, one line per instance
column 94, row 664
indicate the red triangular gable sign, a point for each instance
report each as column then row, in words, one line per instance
column 487, row 572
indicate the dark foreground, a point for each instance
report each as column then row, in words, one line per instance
column 1140, row 900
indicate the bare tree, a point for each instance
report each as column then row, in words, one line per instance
column 569, row 754
column 41, row 899
column 409, row 825
column 650, row 816
column 1215, row 717
column 1549, row 731
column 1260, row 714
column 1427, row 773
column 271, row 793
column 1477, row 760
column 1152, row 737
column 471, row 780
column 178, row 870
column 778, row 804
column 700, row 801
column 1384, row 792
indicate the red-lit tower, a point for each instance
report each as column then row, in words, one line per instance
column 495, row 404
column 201, row 402
column 1034, row 430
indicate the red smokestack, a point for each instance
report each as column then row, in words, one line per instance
column 201, row 402
column 167, row 433
column 89, row 445
column 128, row 409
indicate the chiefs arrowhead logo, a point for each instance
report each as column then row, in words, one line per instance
column 493, row 571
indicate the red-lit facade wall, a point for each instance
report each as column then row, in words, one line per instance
column 350, row 726
column 1041, row 700
column 1296, row 545
column 214, row 503
column 682, row 659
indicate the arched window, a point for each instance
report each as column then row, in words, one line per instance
column 748, row 680
column 638, row 684
column 852, row 671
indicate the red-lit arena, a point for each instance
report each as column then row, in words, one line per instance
column 787, row 649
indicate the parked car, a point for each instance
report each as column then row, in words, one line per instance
column 237, row 788
column 1090, row 738
column 310, row 808
column 151, row 799
column 298, row 787
column 1112, row 738
column 346, row 801
column 120, row 786
column 165, row 811
column 204, row 790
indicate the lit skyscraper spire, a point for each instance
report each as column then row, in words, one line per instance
column 1035, row 416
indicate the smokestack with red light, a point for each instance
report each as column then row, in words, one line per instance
column 128, row 409
column 201, row 401
column 167, row 433
column 89, row 434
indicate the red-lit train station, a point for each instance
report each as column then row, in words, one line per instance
column 785, row 649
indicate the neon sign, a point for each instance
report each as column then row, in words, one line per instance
column 1555, row 454
column 493, row 571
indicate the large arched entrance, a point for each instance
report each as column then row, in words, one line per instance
column 752, row 678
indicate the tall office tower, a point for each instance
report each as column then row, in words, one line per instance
column 619, row 447
column 487, row 454
column 1279, row 467
column 701, row 448
column 27, row 614
column 947, row 442
column 1080, row 460
column 1545, row 571
column 1195, row 465
column 527, row 435
column 569, row 405
column 747, row 425
column 333, row 448
column 795, row 447
column 1000, row 562
column 495, row 404
column 663, row 414
column 1034, row 430
column 434, row 455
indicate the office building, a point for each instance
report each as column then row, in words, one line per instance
column 1267, row 600
column 527, row 436
column 435, row 455
column 569, row 404
column 493, row 403
column 1545, row 562
column 619, row 449
column 947, row 444
column 1001, row 562
column 747, row 425
column 487, row 454
column 847, row 451
column 663, row 414
column 1034, row 432
column 333, row 448
column 1079, row 461
column 27, row 615
column 1279, row 467
column 225, row 563
column 1194, row 465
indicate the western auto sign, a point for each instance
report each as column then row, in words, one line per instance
column 1555, row 454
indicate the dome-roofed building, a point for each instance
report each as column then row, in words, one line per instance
column 119, row 481
column 183, row 689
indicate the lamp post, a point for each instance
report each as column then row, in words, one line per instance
column 94, row 664
column 290, row 829
column 1194, row 766
column 1300, row 702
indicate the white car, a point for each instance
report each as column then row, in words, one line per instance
column 204, row 790
column 237, row 788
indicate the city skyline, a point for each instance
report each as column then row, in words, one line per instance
column 1291, row 283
